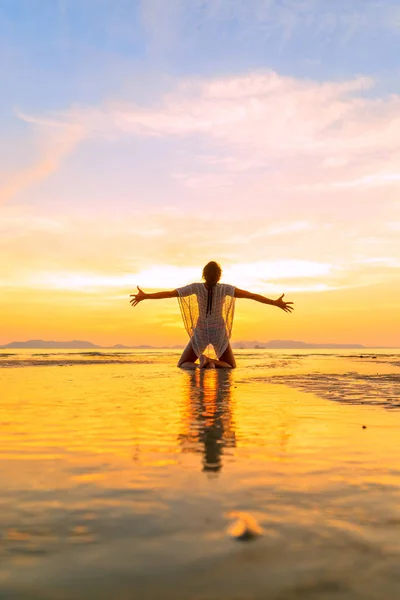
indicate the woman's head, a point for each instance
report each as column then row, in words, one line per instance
column 212, row 273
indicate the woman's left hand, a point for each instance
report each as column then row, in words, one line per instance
column 136, row 298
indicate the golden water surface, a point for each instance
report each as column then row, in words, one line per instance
column 118, row 473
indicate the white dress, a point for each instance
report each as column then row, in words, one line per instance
column 207, row 330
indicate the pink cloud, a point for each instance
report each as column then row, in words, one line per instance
column 318, row 132
column 323, row 132
column 54, row 141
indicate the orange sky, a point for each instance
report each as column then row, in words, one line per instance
column 359, row 315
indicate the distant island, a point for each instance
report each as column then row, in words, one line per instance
column 244, row 345
column 290, row 344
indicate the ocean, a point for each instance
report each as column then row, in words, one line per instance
column 120, row 476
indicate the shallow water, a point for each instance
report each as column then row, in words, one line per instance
column 118, row 472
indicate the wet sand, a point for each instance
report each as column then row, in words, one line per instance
column 118, row 473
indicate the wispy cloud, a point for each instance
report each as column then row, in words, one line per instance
column 262, row 275
column 21, row 221
column 54, row 141
column 309, row 133
column 268, row 277
column 271, row 116
column 295, row 227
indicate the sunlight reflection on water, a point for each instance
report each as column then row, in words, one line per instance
column 117, row 478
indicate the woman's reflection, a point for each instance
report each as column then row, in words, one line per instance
column 208, row 421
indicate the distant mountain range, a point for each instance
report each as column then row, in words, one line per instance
column 71, row 345
column 83, row 345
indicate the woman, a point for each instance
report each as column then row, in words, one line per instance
column 207, row 312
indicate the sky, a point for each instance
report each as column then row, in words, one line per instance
column 142, row 139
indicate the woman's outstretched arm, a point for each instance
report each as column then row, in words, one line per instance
column 141, row 295
column 286, row 306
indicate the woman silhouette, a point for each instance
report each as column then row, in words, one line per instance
column 207, row 311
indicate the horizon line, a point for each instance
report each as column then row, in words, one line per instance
column 251, row 345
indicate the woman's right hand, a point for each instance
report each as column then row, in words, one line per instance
column 136, row 298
